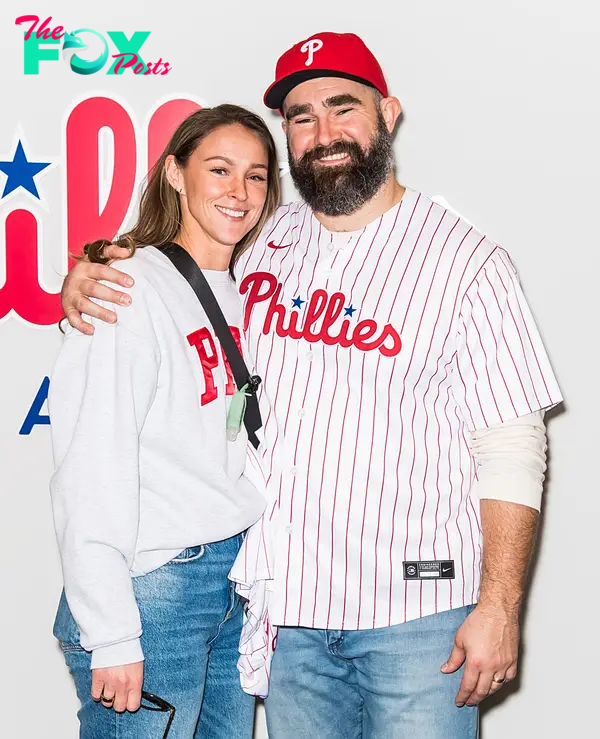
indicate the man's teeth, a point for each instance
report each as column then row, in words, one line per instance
column 231, row 212
column 334, row 157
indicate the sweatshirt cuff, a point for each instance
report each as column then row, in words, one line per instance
column 114, row 655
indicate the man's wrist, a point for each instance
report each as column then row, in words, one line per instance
column 499, row 607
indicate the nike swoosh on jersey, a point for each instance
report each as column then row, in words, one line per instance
column 272, row 245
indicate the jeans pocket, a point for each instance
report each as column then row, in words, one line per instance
column 191, row 554
column 65, row 627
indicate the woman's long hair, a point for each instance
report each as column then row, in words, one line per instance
column 160, row 219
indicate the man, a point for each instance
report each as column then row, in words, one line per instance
column 404, row 384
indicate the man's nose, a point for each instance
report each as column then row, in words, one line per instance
column 325, row 133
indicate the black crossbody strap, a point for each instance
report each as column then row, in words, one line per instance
column 186, row 265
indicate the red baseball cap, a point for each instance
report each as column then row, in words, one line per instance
column 325, row 55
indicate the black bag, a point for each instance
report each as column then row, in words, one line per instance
column 186, row 265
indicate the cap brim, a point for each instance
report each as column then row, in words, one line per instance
column 278, row 91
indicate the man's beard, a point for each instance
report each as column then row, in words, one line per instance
column 343, row 189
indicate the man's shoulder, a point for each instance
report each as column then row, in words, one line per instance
column 461, row 233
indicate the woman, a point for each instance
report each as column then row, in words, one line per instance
column 149, row 496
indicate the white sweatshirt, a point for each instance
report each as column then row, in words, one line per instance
column 143, row 469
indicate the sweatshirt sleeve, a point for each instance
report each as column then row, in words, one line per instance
column 101, row 390
column 511, row 460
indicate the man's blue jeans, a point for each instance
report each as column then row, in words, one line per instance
column 370, row 684
column 191, row 620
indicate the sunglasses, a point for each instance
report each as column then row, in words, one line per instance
column 158, row 704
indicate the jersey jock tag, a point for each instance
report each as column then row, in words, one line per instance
column 441, row 569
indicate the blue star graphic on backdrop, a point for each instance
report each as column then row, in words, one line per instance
column 349, row 311
column 297, row 302
column 20, row 172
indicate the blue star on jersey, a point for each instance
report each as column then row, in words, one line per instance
column 20, row 172
column 349, row 310
column 297, row 302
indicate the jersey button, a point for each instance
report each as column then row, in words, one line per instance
column 294, row 471
column 288, row 529
column 301, row 413
column 310, row 356
column 331, row 247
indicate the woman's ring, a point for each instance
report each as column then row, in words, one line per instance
column 499, row 680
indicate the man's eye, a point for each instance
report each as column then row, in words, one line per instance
column 345, row 110
column 303, row 120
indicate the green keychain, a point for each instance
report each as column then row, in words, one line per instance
column 235, row 414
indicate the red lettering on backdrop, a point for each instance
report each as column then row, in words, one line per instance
column 262, row 286
column 84, row 219
column 163, row 123
column 22, row 291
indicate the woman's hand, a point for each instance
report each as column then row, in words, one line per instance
column 82, row 283
column 119, row 687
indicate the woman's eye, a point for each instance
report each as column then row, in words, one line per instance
column 219, row 170
column 258, row 178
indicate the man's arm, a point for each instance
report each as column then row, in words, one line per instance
column 511, row 461
column 83, row 282
column 489, row 638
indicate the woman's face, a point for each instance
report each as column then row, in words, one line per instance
column 225, row 184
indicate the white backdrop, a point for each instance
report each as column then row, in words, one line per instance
column 501, row 119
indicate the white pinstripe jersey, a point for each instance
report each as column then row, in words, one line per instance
column 380, row 350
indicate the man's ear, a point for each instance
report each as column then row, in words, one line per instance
column 390, row 110
column 284, row 126
column 173, row 174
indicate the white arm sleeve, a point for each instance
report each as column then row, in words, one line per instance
column 511, row 460
column 101, row 390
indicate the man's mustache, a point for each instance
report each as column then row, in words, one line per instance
column 337, row 147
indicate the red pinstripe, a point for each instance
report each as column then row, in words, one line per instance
column 508, row 349
column 414, row 401
column 541, row 374
column 486, row 363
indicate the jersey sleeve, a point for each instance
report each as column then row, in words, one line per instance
column 501, row 369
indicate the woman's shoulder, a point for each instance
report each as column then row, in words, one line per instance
column 143, row 265
column 147, row 268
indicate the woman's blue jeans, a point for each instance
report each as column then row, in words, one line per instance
column 191, row 620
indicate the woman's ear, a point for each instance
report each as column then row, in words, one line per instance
column 173, row 173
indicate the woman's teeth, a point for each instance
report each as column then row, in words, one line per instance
column 231, row 212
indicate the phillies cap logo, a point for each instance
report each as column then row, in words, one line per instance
column 310, row 48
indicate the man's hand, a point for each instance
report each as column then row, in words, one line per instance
column 82, row 283
column 488, row 641
column 119, row 687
